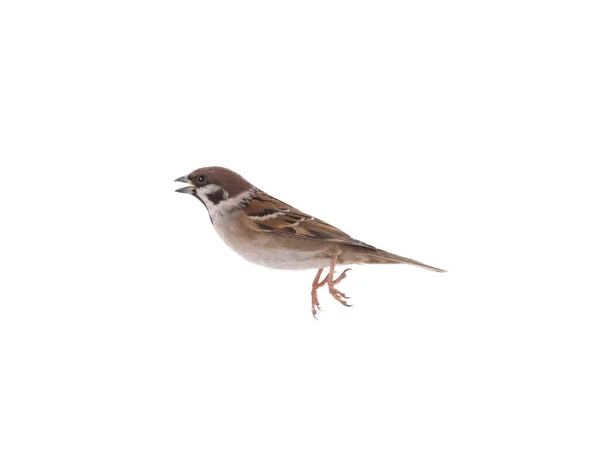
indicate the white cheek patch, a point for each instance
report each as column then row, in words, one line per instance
column 229, row 203
column 206, row 190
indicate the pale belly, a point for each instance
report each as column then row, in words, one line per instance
column 281, row 258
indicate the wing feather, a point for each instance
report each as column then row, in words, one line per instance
column 269, row 215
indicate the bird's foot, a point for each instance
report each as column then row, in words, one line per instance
column 337, row 294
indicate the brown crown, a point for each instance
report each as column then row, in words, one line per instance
column 230, row 181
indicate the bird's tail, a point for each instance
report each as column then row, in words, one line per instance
column 383, row 257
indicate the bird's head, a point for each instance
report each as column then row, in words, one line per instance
column 213, row 185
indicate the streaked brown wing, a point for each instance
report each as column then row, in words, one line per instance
column 269, row 215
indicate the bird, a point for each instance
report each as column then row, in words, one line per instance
column 271, row 233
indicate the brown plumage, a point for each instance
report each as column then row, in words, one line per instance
column 267, row 231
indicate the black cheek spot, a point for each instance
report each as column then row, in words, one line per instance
column 216, row 197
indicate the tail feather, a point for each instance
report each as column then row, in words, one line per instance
column 384, row 257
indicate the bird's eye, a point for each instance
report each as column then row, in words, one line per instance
column 201, row 179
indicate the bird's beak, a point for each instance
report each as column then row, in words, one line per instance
column 186, row 189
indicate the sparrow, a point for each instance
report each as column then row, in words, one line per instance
column 269, row 232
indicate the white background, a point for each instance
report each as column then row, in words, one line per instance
column 462, row 134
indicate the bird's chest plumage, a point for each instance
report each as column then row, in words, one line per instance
column 267, row 249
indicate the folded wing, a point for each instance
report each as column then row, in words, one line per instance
column 269, row 215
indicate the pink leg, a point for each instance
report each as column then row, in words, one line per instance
column 316, row 285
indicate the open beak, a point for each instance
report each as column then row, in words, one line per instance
column 186, row 189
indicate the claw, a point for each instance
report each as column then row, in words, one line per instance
column 337, row 293
column 344, row 303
